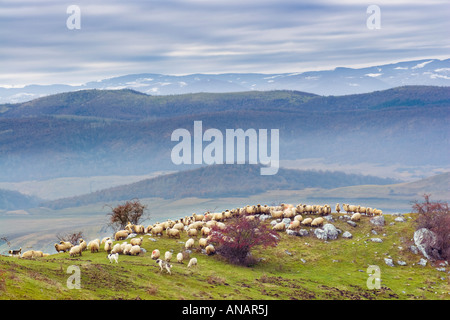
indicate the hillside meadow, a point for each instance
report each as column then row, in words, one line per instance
column 298, row 268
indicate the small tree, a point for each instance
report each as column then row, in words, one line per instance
column 71, row 237
column 131, row 211
column 435, row 216
column 240, row 236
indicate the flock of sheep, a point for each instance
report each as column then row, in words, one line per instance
column 200, row 225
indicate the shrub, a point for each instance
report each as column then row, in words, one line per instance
column 435, row 216
column 130, row 211
column 238, row 238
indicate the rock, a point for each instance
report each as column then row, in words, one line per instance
column 131, row 235
column 302, row 233
column 378, row 221
column 352, row 223
column 441, row 269
column 401, row 263
column 389, row 262
column 347, row 235
column 376, row 240
column 273, row 222
column 374, row 232
column 292, row 232
column 414, row 249
column 287, row 252
column 286, row 221
column 264, row 217
column 425, row 241
column 422, row 262
column 329, row 218
column 328, row 232
column 303, row 260
column 400, row 219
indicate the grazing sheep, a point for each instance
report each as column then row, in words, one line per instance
column 317, row 222
column 277, row 214
column 113, row 257
column 279, row 226
column 164, row 264
column 135, row 250
column 298, row 218
column 94, row 246
column 28, row 254
column 179, row 226
column 121, row 235
column 189, row 243
column 75, row 250
column 203, row 242
column 104, row 240
column 362, row 209
column 356, row 216
column 180, row 257
column 127, row 248
column 338, row 208
column 173, row 233
column 139, row 229
column 294, row 225
column 157, row 230
column 148, row 229
column 205, row 231
column 108, row 246
column 377, row 212
column 63, row 246
column 307, row 221
column 83, row 244
column 155, row 254
column 117, row 249
column 192, row 262
column 192, row 232
column 168, row 256
column 137, row 241
column 210, row 250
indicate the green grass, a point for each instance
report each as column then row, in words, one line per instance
column 334, row 269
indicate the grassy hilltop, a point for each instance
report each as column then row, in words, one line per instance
column 298, row 268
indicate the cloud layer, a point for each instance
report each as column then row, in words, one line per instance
column 197, row 36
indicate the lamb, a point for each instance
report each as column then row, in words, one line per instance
column 356, row 216
column 137, row 241
column 121, row 235
column 279, row 226
column 210, row 250
column 163, row 264
column 155, row 254
column 338, row 208
column 108, row 246
column 113, row 257
column 63, row 246
column 180, row 257
column 189, row 243
column 135, row 250
column 173, row 233
column 75, row 250
column 317, row 222
column 192, row 262
column 203, row 242
column 307, row 221
column 168, row 256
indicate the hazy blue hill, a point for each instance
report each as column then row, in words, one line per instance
column 13, row 200
column 220, row 181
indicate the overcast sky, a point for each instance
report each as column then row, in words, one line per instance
column 120, row 37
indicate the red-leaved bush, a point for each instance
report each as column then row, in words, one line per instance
column 240, row 235
column 435, row 216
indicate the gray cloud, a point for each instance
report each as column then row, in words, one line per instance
column 179, row 37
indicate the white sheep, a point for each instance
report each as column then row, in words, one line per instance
column 168, row 256
column 173, row 233
column 338, row 208
column 75, row 250
column 137, row 241
column 307, row 221
column 121, row 235
column 155, row 254
column 356, row 216
column 189, row 243
column 192, row 262
column 135, row 250
column 83, row 244
column 203, row 242
column 279, row 226
column 117, row 248
column 63, row 246
column 94, row 246
column 108, row 245
column 192, row 232
column 294, row 225
column 317, row 222
column 180, row 257
column 210, row 250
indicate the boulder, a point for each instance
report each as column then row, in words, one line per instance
column 376, row 240
column 347, row 235
column 303, row 233
column 422, row 262
column 425, row 240
column 352, row 223
column 378, row 221
column 328, row 232
column 389, row 262
column 400, row 219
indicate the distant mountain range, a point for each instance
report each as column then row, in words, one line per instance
column 124, row 132
column 340, row 81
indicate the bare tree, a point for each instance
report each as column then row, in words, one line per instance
column 131, row 211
